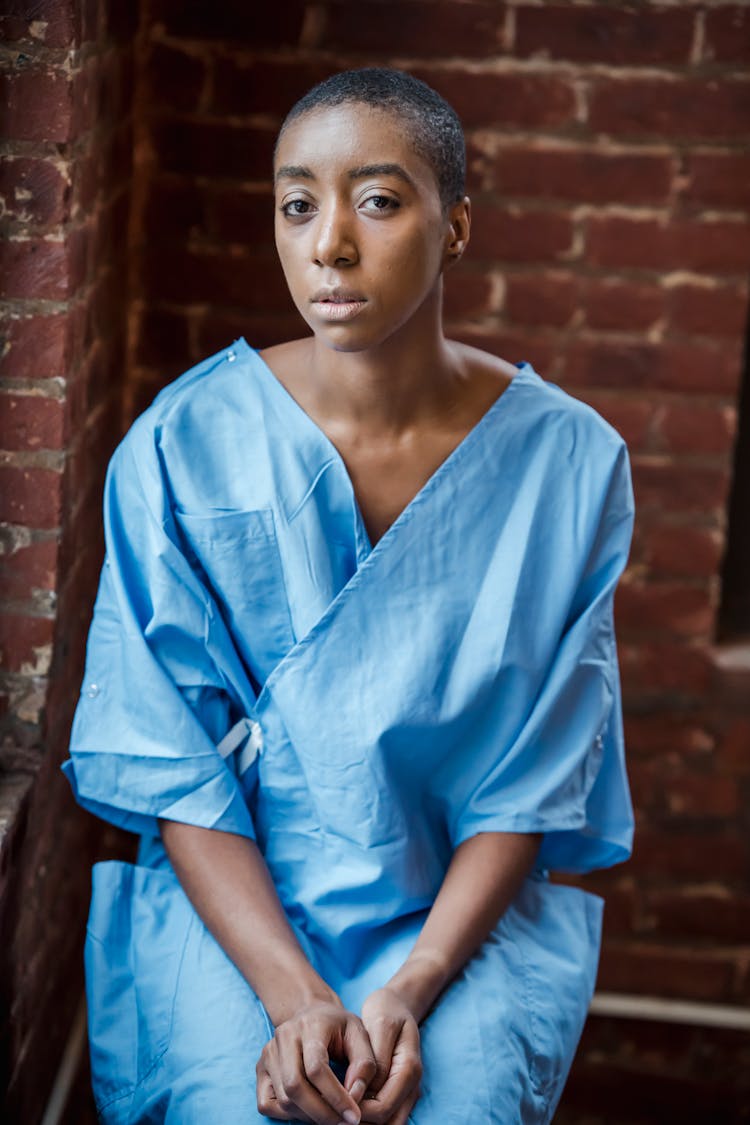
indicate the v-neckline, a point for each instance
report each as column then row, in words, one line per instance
column 459, row 450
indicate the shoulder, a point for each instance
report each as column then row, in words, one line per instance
column 192, row 406
column 546, row 405
column 578, row 432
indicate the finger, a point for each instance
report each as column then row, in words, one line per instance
column 265, row 1096
column 384, row 1034
column 401, row 1116
column 324, row 1092
column 295, row 1092
column 404, row 1077
column 363, row 1065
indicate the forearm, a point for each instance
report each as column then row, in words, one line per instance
column 484, row 875
column 226, row 879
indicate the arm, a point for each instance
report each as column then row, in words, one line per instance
column 484, row 875
column 228, row 883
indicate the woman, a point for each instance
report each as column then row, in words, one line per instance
column 352, row 677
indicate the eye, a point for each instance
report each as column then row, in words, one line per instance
column 380, row 203
column 296, row 208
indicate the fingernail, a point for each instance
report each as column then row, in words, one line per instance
column 358, row 1089
column 351, row 1117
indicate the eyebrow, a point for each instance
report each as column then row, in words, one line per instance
column 301, row 172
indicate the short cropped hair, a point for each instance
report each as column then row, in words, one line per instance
column 433, row 124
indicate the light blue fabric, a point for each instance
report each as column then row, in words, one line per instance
column 255, row 666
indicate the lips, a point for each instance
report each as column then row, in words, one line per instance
column 338, row 304
column 337, row 297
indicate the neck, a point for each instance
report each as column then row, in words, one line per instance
column 388, row 389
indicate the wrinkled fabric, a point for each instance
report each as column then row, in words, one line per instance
column 254, row 665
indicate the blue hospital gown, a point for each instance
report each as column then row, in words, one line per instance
column 254, row 665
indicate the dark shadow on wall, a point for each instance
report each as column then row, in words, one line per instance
column 734, row 615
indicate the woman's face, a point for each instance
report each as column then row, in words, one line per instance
column 360, row 229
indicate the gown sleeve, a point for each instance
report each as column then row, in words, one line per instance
column 564, row 774
column 154, row 704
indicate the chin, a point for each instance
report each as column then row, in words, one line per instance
column 345, row 338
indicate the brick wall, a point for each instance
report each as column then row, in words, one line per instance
column 609, row 170
column 66, row 93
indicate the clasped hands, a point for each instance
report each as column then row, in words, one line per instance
column 295, row 1081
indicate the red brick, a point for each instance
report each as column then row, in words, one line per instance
column 103, row 169
column 111, row 77
column 541, row 298
column 604, row 34
column 671, row 365
column 53, row 23
column 33, row 190
column 35, row 105
column 516, row 100
column 198, row 276
column 709, row 310
column 666, row 971
column 467, row 295
column 587, row 175
column 255, row 85
column 717, row 179
column 520, row 235
column 668, row 736
column 696, row 428
column 683, row 550
column 689, row 854
column 661, row 668
column 642, row 1071
column 702, row 796
column 23, row 641
column 175, row 210
column 670, row 791
column 30, row 496
column 734, row 747
column 620, row 898
column 31, row 422
column 715, row 915
column 102, row 320
column 214, row 149
column 681, row 109
column 468, row 29
column 162, row 335
column 515, row 347
column 176, row 79
column 34, row 269
column 33, row 347
column 631, row 417
column 666, row 486
column 714, row 366
column 666, row 608
column 88, row 456
column 213, row 332
column 727, row 34
column 630, row 305
column 279, row 24
column 233, row 215
column 29, row 568
column 721, row 246
column 119, row 20
column 106, row 237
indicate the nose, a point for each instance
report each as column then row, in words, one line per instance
column 334, row 242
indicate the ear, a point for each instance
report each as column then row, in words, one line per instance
column 457, row 233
